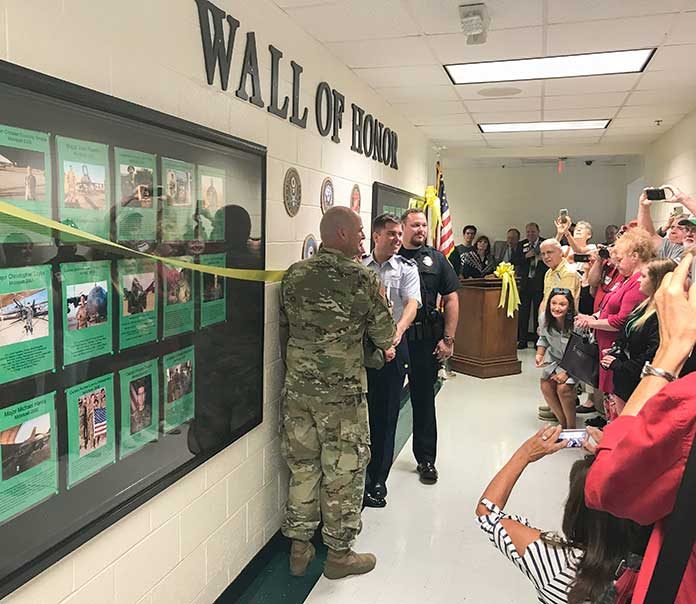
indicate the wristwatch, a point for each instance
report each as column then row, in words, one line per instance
column 448, row 340
column 648, row 369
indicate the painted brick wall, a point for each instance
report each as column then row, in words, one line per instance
column 187, row 544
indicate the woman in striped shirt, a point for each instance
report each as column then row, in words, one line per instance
column 578, row 567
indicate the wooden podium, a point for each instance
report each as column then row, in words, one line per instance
column 486, row 339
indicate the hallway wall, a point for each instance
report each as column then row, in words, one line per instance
column 189, row 542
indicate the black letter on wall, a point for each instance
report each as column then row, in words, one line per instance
column 273, row 108
column 394, row 147
column 250, row 67
column 339, row 104
column 323, row 90
column 214, row 51
column 357, row 128
column 295, row 117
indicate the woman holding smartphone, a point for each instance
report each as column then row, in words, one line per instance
column 557, row 386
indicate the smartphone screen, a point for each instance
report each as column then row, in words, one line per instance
column 655, row 194
column 581, row 257
column 575, row 438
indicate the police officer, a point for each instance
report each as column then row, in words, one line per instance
column 328, row 304
column 430, row 338
column 399, row 278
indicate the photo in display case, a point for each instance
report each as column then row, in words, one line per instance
column 119, row 374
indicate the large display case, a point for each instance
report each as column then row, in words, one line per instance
column 119, row 372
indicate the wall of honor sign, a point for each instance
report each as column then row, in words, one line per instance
column 369, row 136
column 127, row 361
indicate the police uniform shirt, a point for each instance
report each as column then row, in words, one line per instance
column 399, row 277
column 435, row 271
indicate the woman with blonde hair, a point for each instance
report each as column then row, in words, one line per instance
column 640, row 336
column 632, row 252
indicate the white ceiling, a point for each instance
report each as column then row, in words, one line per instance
column 398, row 47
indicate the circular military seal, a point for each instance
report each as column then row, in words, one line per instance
column 428, row 261
column 292, row 192
column 327, row 195
column 309, row 247
column 355, row 199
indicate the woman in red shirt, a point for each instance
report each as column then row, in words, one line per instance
column 642, row 455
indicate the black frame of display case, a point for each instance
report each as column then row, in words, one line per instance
column 380, row 186
column 48, row 86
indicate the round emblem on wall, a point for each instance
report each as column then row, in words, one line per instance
column 428, row 261
column 292, row 192
column 309, row 247
column 355, row 199
column 327, row 195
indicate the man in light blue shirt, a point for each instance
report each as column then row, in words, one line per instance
column 399, row 277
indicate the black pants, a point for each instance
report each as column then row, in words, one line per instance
column 383, row 399
column 422, row 378
column 529, row 304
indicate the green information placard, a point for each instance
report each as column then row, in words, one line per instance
column 28, row 449
column 136, row 176
column 91, row 428
column 137, row 296
column 179, row 192
column 139, row 406
column 211, row 202
column 25, row 182
column 213, row 292
column 178, row 299
column 26, row 322
column 179, row 387
column 86, row 288
column 85, row 192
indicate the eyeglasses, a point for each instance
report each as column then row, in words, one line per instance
column 560, row 290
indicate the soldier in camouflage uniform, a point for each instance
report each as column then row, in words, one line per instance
column 328, row 304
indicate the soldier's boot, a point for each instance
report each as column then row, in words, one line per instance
column 347, row 562
column 301, row 554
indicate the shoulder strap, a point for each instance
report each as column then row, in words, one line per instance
column 680, row 534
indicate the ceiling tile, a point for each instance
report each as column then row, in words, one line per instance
column 562, row 11
column 590, row 113
column 451, row 132
column 553, row 138
column 656, row 97
column 504, row 105
column 355, row 20
column 421, row 75
column 667, row 81
column 296, row 3
column 613, row 34
column 513, row 140
column 505, row 44
column 679, row 58
column 418, row 113
column 406, row 94
column 472, row 92
column 658, row 111
column 412, row 50
column 507, row 116
column 643, row 124
column 580, row 101
column 684, row 29
column 460, row 119
column 592, row 84
column 442, row 16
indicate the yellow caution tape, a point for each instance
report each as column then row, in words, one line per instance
column 509, row 295
column 232, row 273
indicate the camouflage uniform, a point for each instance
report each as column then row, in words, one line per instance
column 328, row 303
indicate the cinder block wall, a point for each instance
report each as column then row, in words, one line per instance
column 186, row 545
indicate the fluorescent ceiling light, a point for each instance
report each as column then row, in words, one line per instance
column 544, row 126
column 568, row 66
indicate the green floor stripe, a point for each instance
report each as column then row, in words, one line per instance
column 266, row 579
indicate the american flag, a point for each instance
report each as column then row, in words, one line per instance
column 446, row 238
column 99, row 421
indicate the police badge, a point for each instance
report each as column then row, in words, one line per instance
column 355, row 199
column 327, row 195
column 292, row 192
column 309, row 247
column 427, row 260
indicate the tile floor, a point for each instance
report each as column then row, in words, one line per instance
column 428, row 545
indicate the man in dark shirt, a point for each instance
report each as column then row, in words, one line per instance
column 469, row 234
column 532, row 283
column 430, row 337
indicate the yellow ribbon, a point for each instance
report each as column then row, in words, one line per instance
column 509, row 295
column 432, row 204
column 233, row 273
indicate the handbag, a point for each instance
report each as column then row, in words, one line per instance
column 581, row 359
column 680, row 534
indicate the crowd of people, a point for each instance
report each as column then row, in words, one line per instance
column 626, row 534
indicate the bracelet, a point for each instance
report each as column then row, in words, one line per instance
column 648, row 369
column 448, row 340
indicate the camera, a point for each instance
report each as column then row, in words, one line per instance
column 589, row 162
column 603, row 253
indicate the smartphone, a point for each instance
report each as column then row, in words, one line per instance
column 575, row 438
column 563, row 215
column 655, row 194
column 581, row 257
column 678, row 211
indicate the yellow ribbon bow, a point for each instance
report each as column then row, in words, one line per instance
column 431, row 203
column 509, row 295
